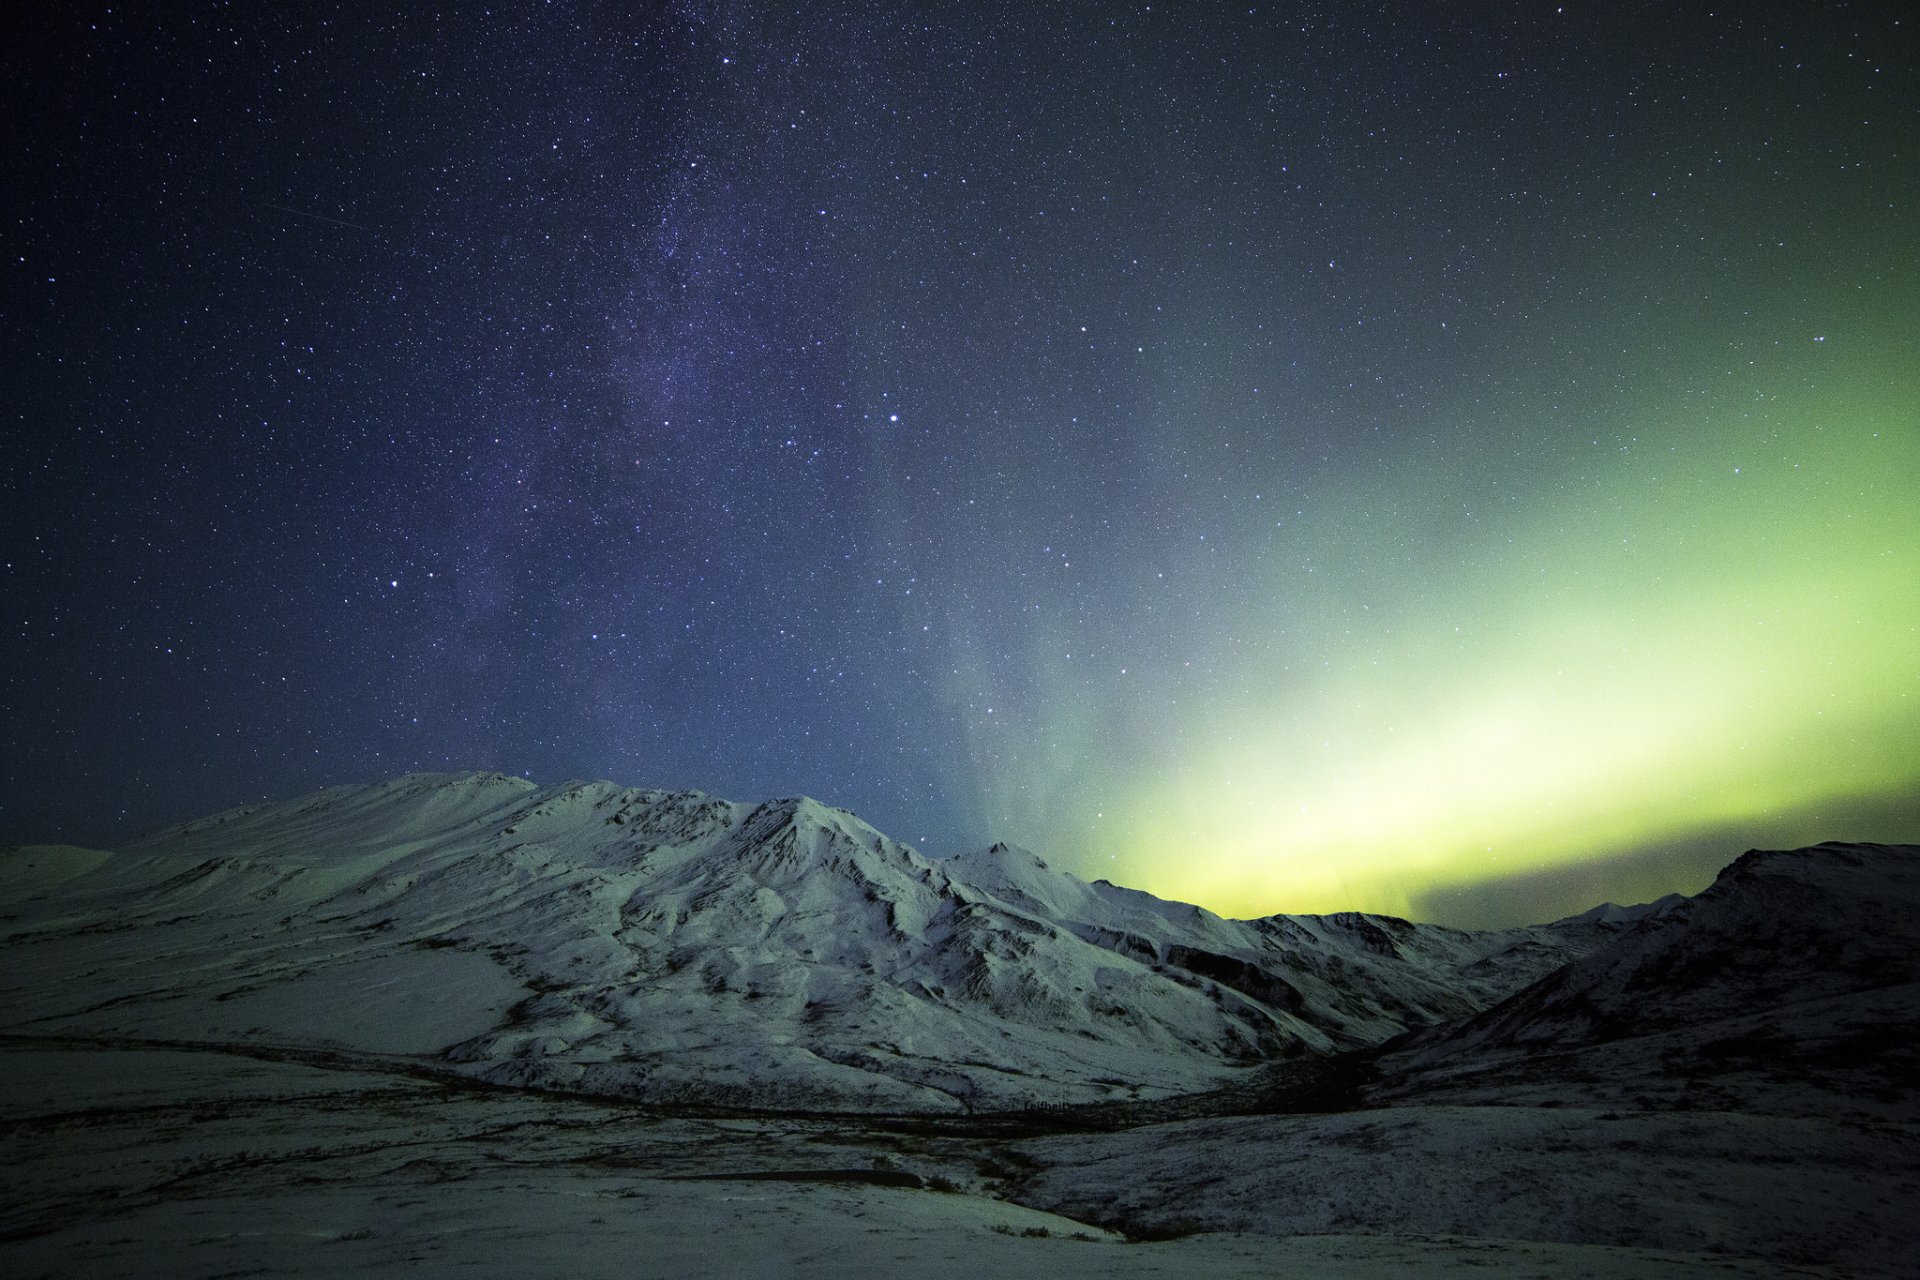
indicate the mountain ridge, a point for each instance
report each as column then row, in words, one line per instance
column 673, row 945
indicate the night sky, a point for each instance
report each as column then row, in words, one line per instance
column 1457, row 460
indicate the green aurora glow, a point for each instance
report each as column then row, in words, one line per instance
column 1469, row 523
column 1708, row 621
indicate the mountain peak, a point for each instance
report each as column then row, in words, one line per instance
column 1821, row 865
column 800, row 806
column 1612, row 913
column 799, row 832
column 1001, row 850
column 804, row 811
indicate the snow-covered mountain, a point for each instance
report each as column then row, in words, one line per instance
column 675, row 946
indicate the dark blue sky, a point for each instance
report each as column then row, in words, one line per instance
column 981, row 417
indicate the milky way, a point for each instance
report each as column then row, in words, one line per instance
column 1295, row 457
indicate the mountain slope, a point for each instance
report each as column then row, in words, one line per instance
column 1793, row 981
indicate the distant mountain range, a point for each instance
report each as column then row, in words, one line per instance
column 675, row 947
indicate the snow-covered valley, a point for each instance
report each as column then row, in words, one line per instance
column 462, row 1019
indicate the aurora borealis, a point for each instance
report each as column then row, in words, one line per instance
column 1294, row 457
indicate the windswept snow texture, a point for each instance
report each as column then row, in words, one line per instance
column 673, row 946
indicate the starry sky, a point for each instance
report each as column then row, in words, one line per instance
column 1456, row 460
